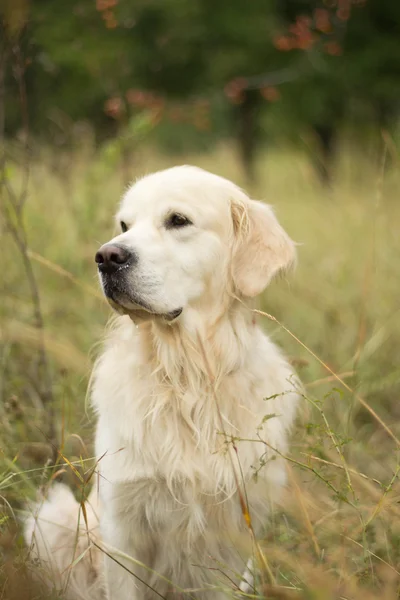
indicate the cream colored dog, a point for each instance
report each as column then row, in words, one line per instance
column 192, row 397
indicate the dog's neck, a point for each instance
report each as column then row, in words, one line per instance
column 211, row 345
column 195, row 366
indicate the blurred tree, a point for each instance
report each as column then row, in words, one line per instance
column 352, row 48
column 308, row 62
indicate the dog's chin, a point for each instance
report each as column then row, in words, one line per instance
column 138, row 314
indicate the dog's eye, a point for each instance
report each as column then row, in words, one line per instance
column 124, row 227
column 176, row 221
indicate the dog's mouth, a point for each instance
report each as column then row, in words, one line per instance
column 139, row 314
column 125, row 302
column 139, row 311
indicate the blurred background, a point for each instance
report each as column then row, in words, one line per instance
column 298, row 101
column 188, row 75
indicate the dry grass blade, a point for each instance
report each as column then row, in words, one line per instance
column 336, row 377
column 304, row 511
column 65, row 353
column 372, row 554
column 64, row 273
column 379, row 506
column 240, row 488
column 329, row 379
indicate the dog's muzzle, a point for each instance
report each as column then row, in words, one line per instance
column 112, row 261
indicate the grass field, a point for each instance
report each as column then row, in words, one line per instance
column 337, row 534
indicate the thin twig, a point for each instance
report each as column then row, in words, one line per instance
column 12, row 209
column 332, row 464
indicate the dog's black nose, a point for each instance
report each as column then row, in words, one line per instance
column 111, row 257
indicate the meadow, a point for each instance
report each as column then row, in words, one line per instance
column 337, row 316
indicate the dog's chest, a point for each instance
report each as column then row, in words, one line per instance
column 164, row 433
column 154, row 426
column 148, row 429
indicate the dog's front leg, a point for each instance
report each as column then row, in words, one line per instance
column 122, row 563
column 120, row 584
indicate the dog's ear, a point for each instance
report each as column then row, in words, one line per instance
column 262, row 247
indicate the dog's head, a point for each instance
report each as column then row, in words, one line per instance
column 188, row 237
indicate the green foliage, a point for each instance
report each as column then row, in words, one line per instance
column 309, row 63
column 137, row 129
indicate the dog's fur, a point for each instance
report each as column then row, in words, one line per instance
column 190, row 404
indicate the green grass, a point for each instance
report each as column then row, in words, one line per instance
column 337, row 534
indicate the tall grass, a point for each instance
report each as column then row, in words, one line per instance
column 337, row 533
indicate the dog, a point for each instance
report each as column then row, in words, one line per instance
column 194, row 402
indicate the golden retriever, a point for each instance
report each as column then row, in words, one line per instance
column 192, row 398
